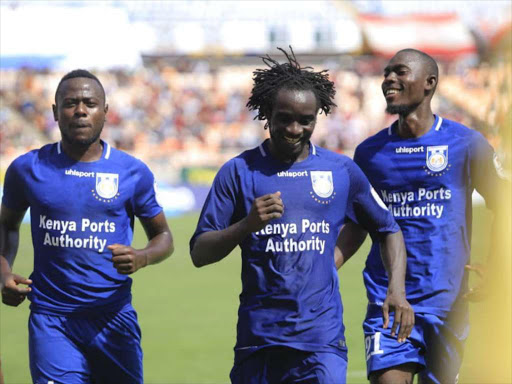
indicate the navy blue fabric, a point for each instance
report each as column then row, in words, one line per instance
column 100, row 349
column 285, row 365
column 427, row 183
column 290, row 292
column 436, row 344
column 77, row 209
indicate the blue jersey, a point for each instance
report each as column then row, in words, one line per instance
column 427, row 183
column 290, row 293
column 77, row 209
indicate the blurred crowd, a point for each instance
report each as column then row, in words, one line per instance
column 174, row 119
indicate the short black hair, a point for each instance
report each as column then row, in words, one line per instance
column 77, row 73
column 290, row 75
column 427, row 60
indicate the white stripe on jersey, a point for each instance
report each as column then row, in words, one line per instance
column 262, row 150
column 107, row 154
column 58, row 148
column 439, row 122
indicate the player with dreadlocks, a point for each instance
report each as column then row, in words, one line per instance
column 284, row 204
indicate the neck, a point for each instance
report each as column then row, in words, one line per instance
column 288, row 159
column 416, row 123
column 87, row 153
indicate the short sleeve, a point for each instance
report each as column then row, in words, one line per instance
column 14, row 196
column 144, row 200
column 486, row 171
column 365, row 207
column 219, row 206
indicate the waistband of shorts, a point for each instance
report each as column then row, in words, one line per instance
column 118, row 306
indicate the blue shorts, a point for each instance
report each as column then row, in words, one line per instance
column 436, row 344
column 287, row 365
column 99, row 348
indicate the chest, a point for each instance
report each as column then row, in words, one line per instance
column 430, row 166
column 314, row 194
column 65, row 191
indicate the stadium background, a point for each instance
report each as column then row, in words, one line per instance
column 177, row 77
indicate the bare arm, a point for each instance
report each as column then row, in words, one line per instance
column 213, row 246
column 350, row 239
column 493, row 260
column 12, row 293
column 128, row 260
column 394, row 258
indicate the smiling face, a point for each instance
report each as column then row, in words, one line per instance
column 292, row 122
column 406, row 83
column 80, row 110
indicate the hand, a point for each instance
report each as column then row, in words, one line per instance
column 264, row 209
column 126, row 259
column 404, row 315
column 13, row 293
column 480, row 291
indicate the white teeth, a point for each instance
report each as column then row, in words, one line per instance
column 391, row 92
column 291, row 141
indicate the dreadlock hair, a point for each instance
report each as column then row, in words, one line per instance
column 77, row 73
column 290, row 75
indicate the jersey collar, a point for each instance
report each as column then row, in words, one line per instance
column 437, row 125
column 106, row 149
column 263, row 151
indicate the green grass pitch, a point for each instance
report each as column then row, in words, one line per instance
column 188, row 315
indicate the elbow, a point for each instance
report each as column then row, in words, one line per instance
column 170, row 250
column 169, row 246
column 196, row 259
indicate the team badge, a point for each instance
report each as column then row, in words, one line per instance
column 322, row 183
column 107, row 184
column 437, row 158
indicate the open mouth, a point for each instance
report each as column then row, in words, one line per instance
column 291, row 140
column 391, row 91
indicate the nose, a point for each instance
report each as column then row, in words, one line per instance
column 389, row 78
column 294, row 129
column 80, row 109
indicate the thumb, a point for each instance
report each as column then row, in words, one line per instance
column 113, row 246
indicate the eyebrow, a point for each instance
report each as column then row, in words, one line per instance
column 394, row 67
column 92, row 98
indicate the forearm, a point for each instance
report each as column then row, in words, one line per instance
column 9, row 242
column 158, row 248
column 211, row 247
column 394, row 258
column 350, row 239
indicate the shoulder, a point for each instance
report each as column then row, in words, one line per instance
column 28, row 159
column 325, row 154
column 125, row 160
column 462, row 134
column 244, row 160
column 374, row 141
column 457, row 129
column 335, row 160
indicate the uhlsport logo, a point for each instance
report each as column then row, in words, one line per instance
column 323, row 186
column 437, row 160
column 107, row 186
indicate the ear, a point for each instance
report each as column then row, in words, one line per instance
column 105, row 109
column 431, row 82
column 55, row 115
